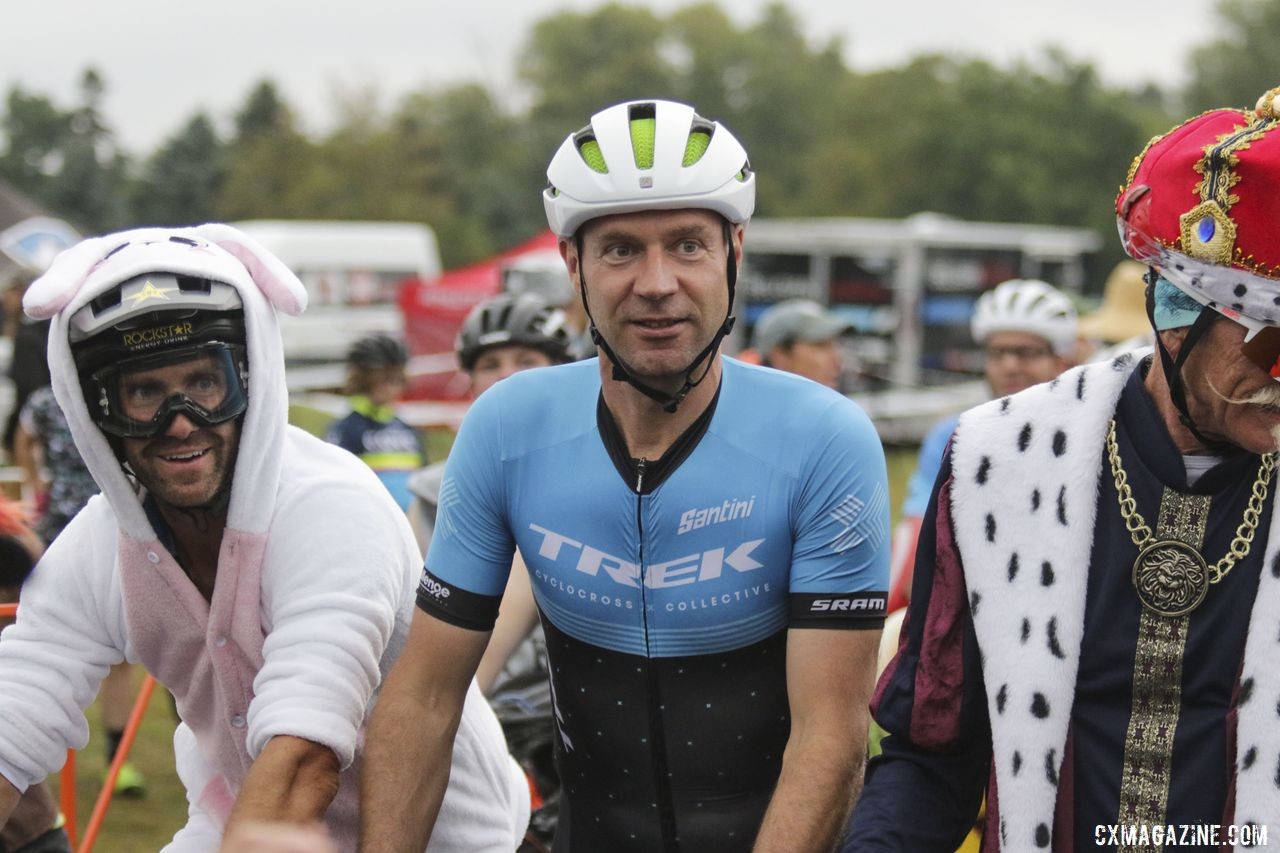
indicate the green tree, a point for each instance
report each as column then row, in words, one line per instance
column 180, row 182
column 470, row 168
column 1235, row 68
column 67, row 160
column 35, row 132
column 269, row 162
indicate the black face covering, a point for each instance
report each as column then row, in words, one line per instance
column 624, row 373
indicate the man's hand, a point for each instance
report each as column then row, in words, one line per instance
column 410, row 742
column 292, row 780
column 830, row 674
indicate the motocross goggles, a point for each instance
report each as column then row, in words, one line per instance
column 139, row 397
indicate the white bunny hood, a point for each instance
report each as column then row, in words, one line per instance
column 213, row 251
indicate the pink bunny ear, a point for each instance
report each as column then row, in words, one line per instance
column 51, row 292
column 276, row 281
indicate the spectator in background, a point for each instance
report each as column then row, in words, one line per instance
column 29, row 366
column 801, row 337
column 1120, row 323
column 1028, row 331
column 35, row 825
column 55, row 473
column 372, row 431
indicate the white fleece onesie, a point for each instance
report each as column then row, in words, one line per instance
column 314, row 591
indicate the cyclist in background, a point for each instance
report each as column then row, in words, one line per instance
column 707, row 540
column 372, row 431
column 1027, row 330
column 503, row 335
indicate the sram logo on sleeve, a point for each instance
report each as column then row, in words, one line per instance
column 873, row 602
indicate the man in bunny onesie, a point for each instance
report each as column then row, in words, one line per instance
column 1092, row 636
column 262, row 576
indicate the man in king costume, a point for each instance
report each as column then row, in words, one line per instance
column 1096, row 621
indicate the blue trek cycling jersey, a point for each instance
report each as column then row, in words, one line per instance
column 666, row 604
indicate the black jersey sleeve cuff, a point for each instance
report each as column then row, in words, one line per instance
column 457, row 606
column 837, row 609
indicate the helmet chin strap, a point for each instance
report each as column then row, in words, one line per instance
column 1173, row 367
column 622, row 372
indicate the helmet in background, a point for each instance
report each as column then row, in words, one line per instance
column 513, row 320
column 1027, row 305
column 374, row 352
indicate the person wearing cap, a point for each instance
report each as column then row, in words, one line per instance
column 372, row 430
column 1028, row 332
column 706, row 539
column 801, row 337
column 265, row 578
column 1093, row 634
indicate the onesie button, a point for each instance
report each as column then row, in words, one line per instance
column 220, row 642
column 237, row 720
column 153, row 557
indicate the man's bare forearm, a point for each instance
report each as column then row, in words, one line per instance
column 406, row 770
column 292, row 780
column 816, row 791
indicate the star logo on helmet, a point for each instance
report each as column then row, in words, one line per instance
column 150, row 291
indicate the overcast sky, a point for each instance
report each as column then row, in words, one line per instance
column 164, row 60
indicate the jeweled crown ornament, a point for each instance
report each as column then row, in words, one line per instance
column 1201, row 202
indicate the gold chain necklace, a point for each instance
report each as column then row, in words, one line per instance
column 1171, row 577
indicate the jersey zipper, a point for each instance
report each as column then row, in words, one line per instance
column 657, row 731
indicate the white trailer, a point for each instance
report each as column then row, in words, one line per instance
column 352, row 271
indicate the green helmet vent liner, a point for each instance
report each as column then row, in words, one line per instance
column 592, row 155
column 695, row 147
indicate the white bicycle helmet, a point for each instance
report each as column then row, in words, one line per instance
column 1027, row 305
column 647, row 155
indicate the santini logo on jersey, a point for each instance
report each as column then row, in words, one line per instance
column 729, row 510
column 692, row 568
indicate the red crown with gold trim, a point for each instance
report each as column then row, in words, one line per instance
column 1202, row 203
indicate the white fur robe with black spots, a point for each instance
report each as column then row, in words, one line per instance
column 1025, row 488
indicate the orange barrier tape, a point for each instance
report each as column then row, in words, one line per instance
column 122, row 754
column 67, row 796
column 8, row 610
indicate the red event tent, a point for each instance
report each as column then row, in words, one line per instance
column 434, row 310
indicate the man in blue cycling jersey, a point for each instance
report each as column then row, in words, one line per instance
column 707, row 541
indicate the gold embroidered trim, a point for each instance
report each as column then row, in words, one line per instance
column 1207, row 231
column 1157, row 683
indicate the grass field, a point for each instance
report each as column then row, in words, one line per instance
column 145, row 825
